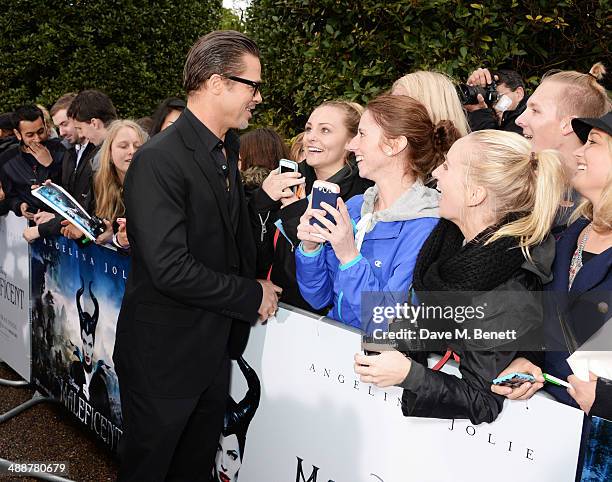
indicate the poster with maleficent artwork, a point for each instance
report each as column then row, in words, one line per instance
column 76, row 297
column 60, row 200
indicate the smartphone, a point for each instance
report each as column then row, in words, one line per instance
column 323, row 191
column 372, row 348
column 514, row 380
column 286, row 165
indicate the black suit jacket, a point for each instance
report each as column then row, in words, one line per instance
column 190, row 295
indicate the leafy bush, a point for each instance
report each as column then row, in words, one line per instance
column 132, row 50
column 314, row 50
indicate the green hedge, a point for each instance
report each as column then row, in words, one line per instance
column 314, row 50
column 132, row 50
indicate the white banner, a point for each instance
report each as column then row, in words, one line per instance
column 15, row 331
column 316, row 422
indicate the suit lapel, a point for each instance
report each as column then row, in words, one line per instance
column 202, row 158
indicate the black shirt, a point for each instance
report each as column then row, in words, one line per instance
column 226, row 164
column 22, row 170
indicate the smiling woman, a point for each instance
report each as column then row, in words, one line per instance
column 583, row 261
column 372, row 243
column 276, row 208
column 498, row 201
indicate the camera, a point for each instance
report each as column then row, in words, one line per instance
column 468, row 94
column 97, row 226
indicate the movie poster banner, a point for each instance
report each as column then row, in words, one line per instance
column 76, row 296
column 15, row 329
column 299, row 413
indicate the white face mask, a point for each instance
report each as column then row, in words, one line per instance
column 503, row 103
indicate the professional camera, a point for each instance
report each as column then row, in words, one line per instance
column 97, row 226
column 468, row 94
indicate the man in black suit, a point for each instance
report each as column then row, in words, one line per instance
column 190, row 297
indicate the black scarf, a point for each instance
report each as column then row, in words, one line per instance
column 444, row 264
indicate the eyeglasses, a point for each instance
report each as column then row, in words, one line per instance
column 256, row 85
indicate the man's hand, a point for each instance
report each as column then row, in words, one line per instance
column 481, row 77
column 70, row 230
column 41, row 153
column 473, row 107
column 2, row 195
column 122, row 238
column 269, row 300
column 24, row 211
column 31, row 234
column 42, row 217
column 527, row 389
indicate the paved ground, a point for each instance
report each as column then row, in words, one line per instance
column 47, row 433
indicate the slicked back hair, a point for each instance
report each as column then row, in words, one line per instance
column 218, row 52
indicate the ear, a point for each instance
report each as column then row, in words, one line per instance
column 215, row 84
column 399, row 144
column 520, row 92
column 17, row 134
column 96, row 123
column 566, row 125
column 476, row 196
column 392, row 147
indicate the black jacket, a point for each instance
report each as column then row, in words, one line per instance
column 6, row 143
column 22, row 170
column 78, row 181
column 190, row 297
column 435, row 394
column 486, row 119
column 265, row 212
column 4, row 207
column 602, row 406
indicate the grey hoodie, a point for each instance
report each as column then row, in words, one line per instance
column 417, row 202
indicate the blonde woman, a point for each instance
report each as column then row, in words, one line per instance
column 582, row 270
column 123, row 140
column 491, row 249
column 277, row 208
column 437, row 93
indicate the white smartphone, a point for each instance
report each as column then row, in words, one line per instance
column 285, row 165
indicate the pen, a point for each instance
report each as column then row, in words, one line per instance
column 555, row 380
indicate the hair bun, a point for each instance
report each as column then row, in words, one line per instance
column 444, row 134
column 598, row 71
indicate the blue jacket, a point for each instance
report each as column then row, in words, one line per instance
column 585, row 308
column 384, row 266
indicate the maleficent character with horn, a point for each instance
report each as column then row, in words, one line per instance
column 88, row 376
column 238, row 416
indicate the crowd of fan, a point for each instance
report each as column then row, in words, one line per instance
column 438, row 183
